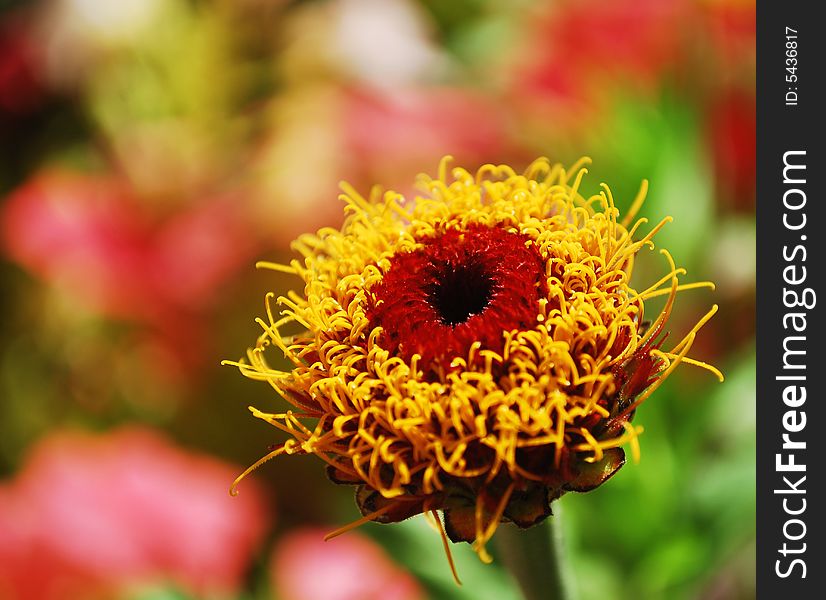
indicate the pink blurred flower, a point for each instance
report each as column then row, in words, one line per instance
column 351, row 567
column 82, row 233
column 90, row 516
column 398, row 132
column 322, row 134
column 89, row 235
column 91, row 238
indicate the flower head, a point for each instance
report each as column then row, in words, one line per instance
column 478, row 350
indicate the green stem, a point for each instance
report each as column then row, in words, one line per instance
column 536, row 558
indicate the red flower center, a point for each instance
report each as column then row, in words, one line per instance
column 460, row 288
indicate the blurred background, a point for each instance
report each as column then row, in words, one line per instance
column 152, row 150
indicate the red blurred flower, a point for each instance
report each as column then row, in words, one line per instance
column 21, row 88
column 731, row 123
column 728, row 30
column 91, row 516
column 576, row 48
column 351, row 567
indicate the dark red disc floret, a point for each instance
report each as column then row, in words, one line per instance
column 463, row 286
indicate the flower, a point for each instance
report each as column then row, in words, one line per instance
column 86, row 232
column 95, row 241
column 572, row 53
column 478, row 351
column 731, row 138
column 302, row 554
column 21, row 85
column 92, row 515
column 417, row 123
column 323, row 131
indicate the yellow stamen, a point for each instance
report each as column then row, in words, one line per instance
column 233, row 489
column 446, row 545
column 359, row 522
